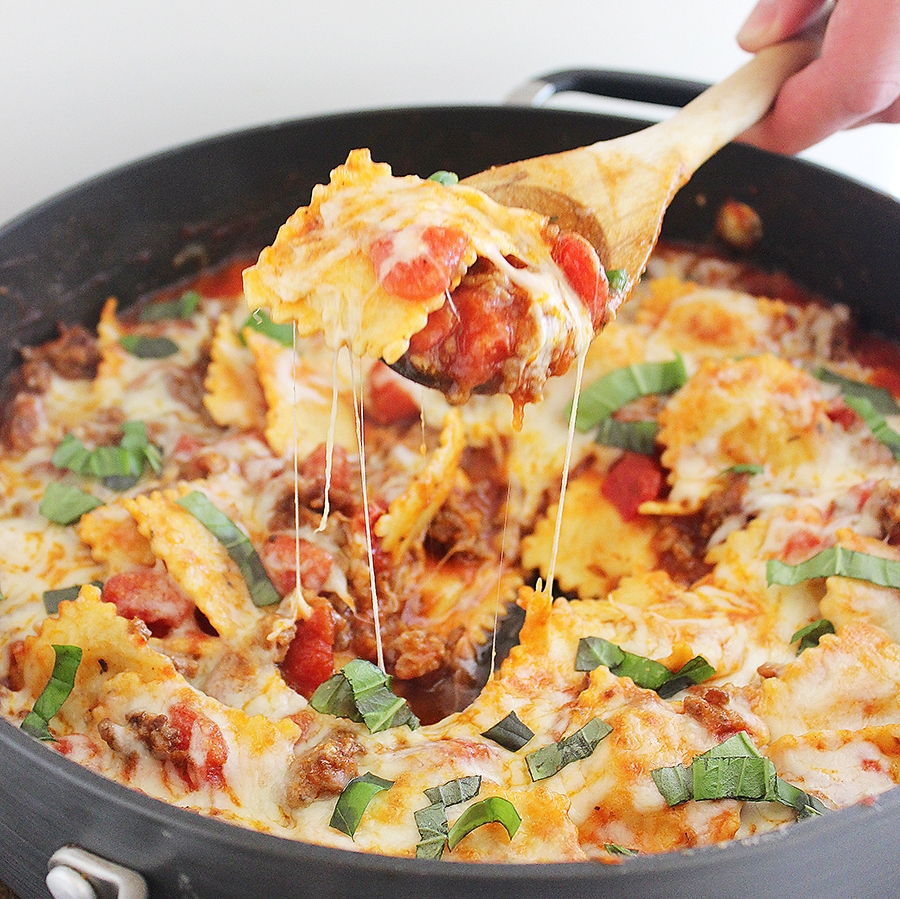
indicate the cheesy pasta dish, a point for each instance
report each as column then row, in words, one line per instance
column 256, row 577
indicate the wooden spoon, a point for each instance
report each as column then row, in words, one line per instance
column 616, row 192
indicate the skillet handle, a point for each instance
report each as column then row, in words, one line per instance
column 636, row 86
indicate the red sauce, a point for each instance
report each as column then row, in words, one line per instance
column 151, row 595
column 309, row 660
column 633, row 479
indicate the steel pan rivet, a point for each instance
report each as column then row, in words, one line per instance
column 66, row 883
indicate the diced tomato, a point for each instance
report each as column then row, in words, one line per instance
column 199, row 737
column 802, row 545
column 309, row 660
column 633, row 479
column 389, row 401
column 151, row 595
column 279, row 557
column 581, row 266
column 841, row 414
column 426, row 274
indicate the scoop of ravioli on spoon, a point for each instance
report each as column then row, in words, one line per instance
column 496, row 283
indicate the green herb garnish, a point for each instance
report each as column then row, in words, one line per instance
column 647, row 673
column 260, row 320
column 238, row 545
column 880, row 398
column 182, row 308
column 55, row 693
column 432, row 820
column 746, row 468
column 354, row 800
column 361, row 691
column 636, row 436
column 880, row 429
column 810, row 635
column 617, row 278
column 549, row 760
column 64, row 504
column 624, row 385
column 52, row 598
column 836, row 561
column 148, row 347
column 462, row 789
column 734, row 769
column 616, row 849
column 443, row 177
column 510, row 733
column 494, row 809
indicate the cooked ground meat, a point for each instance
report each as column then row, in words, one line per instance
column 322, row 771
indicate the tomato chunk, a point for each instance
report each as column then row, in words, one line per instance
column 581, row 266
column 202, row 750
column 151, row 595
column 279, row 557
column 389, row 401
column 417, row 265
column 633, row 479
column 309, row 660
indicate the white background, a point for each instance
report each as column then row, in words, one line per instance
column 86, row 85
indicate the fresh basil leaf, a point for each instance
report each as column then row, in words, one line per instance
column 260, row 321
column 55, row 693
column 595, row 651
column 462, row 789
column 634, row 436
column 70, row 455
column 624, row 385
column 510, row 733
column 617, row 278
column 443, row 177
column 675, row 784
column 549, row 760
column 880, row 429
column 182, row 308
column 354, row 800
column 148, row 347
column 237, row 544
column 64, row 504
column 836, row 561
column 810, row 635
column 433, row 830
column 745, row 469
column 616, row 849
column 881, row 399
column 361, row 692
column 494, row 809
column 52, row 598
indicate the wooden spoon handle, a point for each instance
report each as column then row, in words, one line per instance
column 727, row 109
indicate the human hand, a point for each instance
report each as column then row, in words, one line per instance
column 855, row 81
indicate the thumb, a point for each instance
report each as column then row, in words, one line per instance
column 771, row 21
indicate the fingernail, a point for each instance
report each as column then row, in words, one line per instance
column 761, row 27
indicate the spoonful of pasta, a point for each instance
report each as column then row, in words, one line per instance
column 497, row 282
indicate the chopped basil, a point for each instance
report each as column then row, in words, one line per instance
column 238, row 545
column 443, row 177
column 494, row 809
column 120, row 466
column 617, row 278
column 462, row 789
column 616, row 849
column 545, row 762
column 52, row 598
column 55, row 693
column 595, row 651
column 64, row 504
column 354, row 800
column 624, row 385
column 361, row 691
column 259, row 320
column 734, row 769
column 881, row 431
column 880, row 398
column 810, row 635
column 148, row 347
column 747, row 468
column 836, row 561
column 510, row 733
column 636, row 436
column 433, row 829
column 182, row 308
